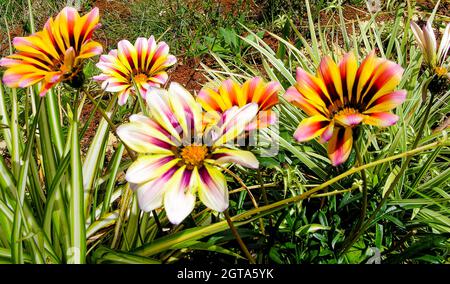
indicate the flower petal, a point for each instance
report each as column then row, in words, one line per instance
column 148, row 167
column 311, row 127
column 328, row 133
column 211, row 100
column 294, row 97
column 387, row 102
column 340, row 145
column 381, row 119
column 243, row 158
column 264, row 118
column 348, row 119
column 213, row 191
column 162, row 112
column 179, row 200
column 444, row 46
column 348, row 67
column 143, row 138
column 235, row 120
column 186, row 109
column 364, row 74
column 330, row 74
column 150, row 194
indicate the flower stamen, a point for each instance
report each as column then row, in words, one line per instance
column 194, row 155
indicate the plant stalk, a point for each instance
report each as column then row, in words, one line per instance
column 238, row 238
column 396, row 179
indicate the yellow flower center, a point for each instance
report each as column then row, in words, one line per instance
column 194, row 155
column 140, row 78
column 440, row 71
column 347, row 111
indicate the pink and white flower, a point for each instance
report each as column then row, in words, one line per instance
column 180, row 155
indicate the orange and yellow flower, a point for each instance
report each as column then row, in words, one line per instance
column 54, row 54
column 180, row 155
column 143, row 64
column 344, row 96
column 254, row 90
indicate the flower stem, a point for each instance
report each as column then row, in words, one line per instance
column 358, row 226
column 238, row 238
column 396, row 179
column 255, row 204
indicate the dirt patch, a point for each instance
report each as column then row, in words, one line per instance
column 15, row 31
column 116, row 11
column 270, row 41
column 352, row 14
column 187, row 72
column 85, row 142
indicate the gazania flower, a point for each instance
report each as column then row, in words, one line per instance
column 254, row 90
column 433, row 57
column 143, row 64
column 343, row 96
column 179, row 155
column 54, row 54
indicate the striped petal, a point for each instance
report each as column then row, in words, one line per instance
column 294, row 97
column 349, row 119
column 232, row 94
column 256, row 90
column 313, row 89
column 243, row 158
column 145, row 62
column 162, row 112
column 213, row 191
column 387, row 102
column 384, row 80
column 150, row 194
column 348, row 68
column 143, row 138
column 327, row 133
column 187, row 111
column 364, row 74
column 381, row 119
column 330, row 74
column 263, row 119
column 211, row 100
column 179, row 198
column 123, row 96
column 340, row 145
column 310, row 128
column 148, row 167
column 235, row 121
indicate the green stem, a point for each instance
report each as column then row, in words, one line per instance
column 238, row 238
column 358, row 226
column 396, row 179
